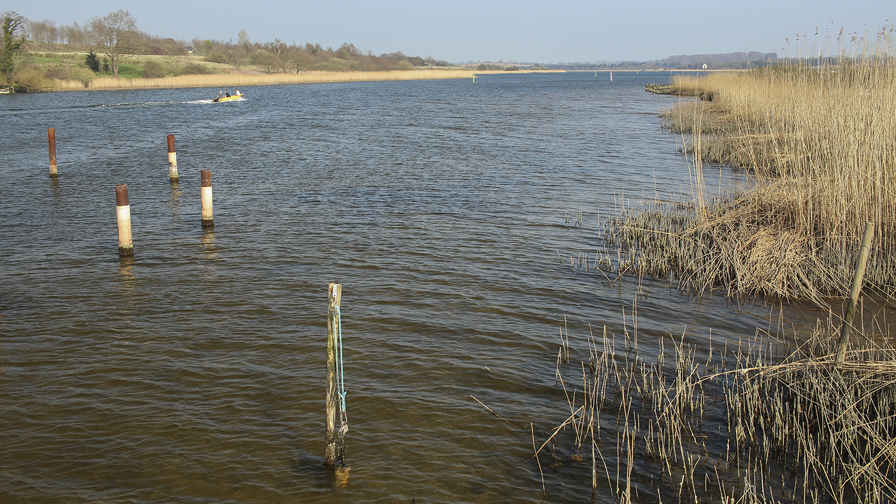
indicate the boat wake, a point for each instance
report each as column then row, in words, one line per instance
column 25, row 110
column 149, row 104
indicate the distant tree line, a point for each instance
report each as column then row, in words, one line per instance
column 277, row 56
column 738, row 60
column 111, row 39
column 499, row 66
column 45, row 36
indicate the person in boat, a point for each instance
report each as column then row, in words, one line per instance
column 226, row 93
column 237, row 92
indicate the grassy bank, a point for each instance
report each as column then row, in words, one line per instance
column 231, row 80
column 820, row 142
column 66, row 71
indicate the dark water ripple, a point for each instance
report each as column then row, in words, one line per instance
column 195, row 372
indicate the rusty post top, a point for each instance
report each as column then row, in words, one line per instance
column 170, row 143
column 121, row 195
column 206, row 176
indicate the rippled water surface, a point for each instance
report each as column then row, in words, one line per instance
column 196, row 371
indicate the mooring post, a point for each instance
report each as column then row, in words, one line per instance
column 51, row 137
column 333, row 328
column 846, row 330
column 172, row 160
column 123, row 208
column 208, row 219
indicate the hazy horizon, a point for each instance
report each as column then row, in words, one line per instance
column 533, row 31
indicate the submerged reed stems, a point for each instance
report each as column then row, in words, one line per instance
column 740, row 426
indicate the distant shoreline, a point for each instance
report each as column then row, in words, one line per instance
column 237, row 80
column 232, row 79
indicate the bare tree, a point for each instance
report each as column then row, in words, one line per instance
column 116, row 36
column 265, row 59
column 242, row 51
column 278, row 48
column 298, row 59
column 73, row 35
column 43, row 33
column 245, row 42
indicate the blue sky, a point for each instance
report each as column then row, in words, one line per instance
column 491, row 30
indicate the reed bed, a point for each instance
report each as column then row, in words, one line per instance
column 683, row 85
column 228, row 80
column 737, row 425
column 820, row 143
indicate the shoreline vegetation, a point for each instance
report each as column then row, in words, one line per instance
column 228, row 80
column 53, row 72
column 110, row 53
column 819, row 143
column 775, row 419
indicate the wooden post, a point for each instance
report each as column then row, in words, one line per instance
column 206, row 188
column 334, row 298
column 172, row 160
column 51, row 137
column 846, row 330
column 123, row 208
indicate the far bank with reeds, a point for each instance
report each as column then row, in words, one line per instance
column 231, row 80
column 820, row 143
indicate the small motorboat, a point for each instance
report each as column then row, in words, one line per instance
column 229, row 98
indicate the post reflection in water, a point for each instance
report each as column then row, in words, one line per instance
column 207, row 239
column 126, row 270
column 176, row 195
column 128, row 294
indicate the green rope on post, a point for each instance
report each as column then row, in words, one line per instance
column 340, row 376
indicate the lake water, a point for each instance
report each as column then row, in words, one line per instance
column 195, row 372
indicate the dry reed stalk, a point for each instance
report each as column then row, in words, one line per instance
column 797, row 429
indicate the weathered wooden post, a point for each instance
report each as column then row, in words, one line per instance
column 172, row 160
column 334, row 361
column 846, row 330
column 208, row 219
column 123, row 208
column 51, row 137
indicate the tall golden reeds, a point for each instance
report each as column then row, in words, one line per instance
column 819, row 138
